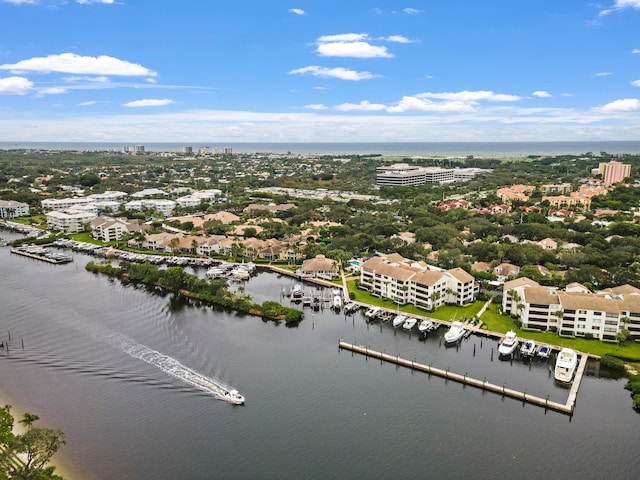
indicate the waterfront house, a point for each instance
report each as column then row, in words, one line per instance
column 319, row 267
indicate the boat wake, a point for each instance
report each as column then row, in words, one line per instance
column 170, row 366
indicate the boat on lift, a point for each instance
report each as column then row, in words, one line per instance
column 399, row 320
column 528, row 348
column 409, row 323
column 427, row 326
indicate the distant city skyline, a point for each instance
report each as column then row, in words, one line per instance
column 303, row 71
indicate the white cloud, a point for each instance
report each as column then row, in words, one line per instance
column 541, row 94
column 397, row 39
column 418, row 104
column 76, row 64
column 343, row 37
column 636, row 83
column 149, row 102
column 411, row 11
column 364, row 106
column 621, row 5
column 89, row 2
column 316, row 106
column 602, row 74
column 471, row 96
column 297, row 11
column 620, row 106
column 15, row 86
column 352, row 49
column 337, row 72
column 20, row 2
column 52, row 91
column 87, row 104
column 353, row 45
column 635, row 50
column 101, row 79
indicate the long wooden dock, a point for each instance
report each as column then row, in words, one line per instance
column 482, row 384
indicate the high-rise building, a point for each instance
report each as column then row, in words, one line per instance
column 614, row 172
column 187, row 150
column 228, row 150
column 139, row 148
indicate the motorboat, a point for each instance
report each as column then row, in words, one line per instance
column 566, row 364
column 399, row 320
column 544, row 351
column 233, row 396
column 297, row 292
column 372, row 312
column 409, row 323
column 455, row 333
column 509, row 343
column 337, row 302
column 426, row 326
column 528, row 348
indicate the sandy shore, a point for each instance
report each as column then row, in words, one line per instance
column 62, row 464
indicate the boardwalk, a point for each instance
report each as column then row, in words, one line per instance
column 483, row 384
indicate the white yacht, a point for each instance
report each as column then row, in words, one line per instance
column 337, row 302
column 372, row 312
column 566, row 364
column 509, row 343
column 409, row 323
column 399, row 320
column 427, row 326
column 455, row 333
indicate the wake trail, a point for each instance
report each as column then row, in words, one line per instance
column 168, row 365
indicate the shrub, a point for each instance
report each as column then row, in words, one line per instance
column 612, row 362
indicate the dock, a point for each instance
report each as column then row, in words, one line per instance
column 566, row 408
column 40, row 253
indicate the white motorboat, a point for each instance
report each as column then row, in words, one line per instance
column 426, row 326
column 544, row 351
column 297, row 291
column 509, row 343
column 528, row 348
column 233, row 396
column 337, row 302
column 409, row 323
column 566, row 364
column 215, row 272
column 455, row 333
column 399, row 320
column 372, row 312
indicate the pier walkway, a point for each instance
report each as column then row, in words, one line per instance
column 482, row 384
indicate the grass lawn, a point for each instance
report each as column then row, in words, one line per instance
column 35, row 220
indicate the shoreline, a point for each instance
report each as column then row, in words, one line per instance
column 64, row 466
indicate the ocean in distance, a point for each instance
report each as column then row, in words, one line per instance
column 445, row 149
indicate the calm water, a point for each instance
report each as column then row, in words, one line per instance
column 480, row 149
column 312, row 411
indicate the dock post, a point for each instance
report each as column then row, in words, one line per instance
column 474, row 349
column 481, row 341
column 9, row 334
column 492, row 354
column 22, row 339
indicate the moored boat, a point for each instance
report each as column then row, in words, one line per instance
column 409, row 323
column 455, row 333
column 528, row 348
column 509, row 343
column 426, row 326
column 399, row 320
column 372, row 312
column 544, row 351
column 566, row 364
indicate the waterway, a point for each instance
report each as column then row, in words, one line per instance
column 312, row 411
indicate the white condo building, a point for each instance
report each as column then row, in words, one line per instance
column 11, row 209
column 403, row 174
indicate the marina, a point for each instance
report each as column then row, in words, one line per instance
column 42, row 253
column 482, row 384
column 116, row 409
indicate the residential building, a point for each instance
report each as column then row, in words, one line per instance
column 515, row 192
column 319, row 267
column 110, row 229
column 71, row 222
column 576, row 311
column 614, row 172
column 11, row 209
column 403, row 174
column 404, row 281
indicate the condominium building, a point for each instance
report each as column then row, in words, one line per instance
column 613, row 172
column 70, row 222
column 405, row 281
column 110, row 229
column 11, row 209
column 403, row 174
column 575, row 311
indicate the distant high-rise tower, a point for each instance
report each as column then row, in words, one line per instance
column 228, row 150
column 614, row 172
column 187, row 150
column 139, row 148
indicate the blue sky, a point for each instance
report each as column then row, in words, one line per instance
column 314, row 71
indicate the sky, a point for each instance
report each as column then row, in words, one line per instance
column 319, row 71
